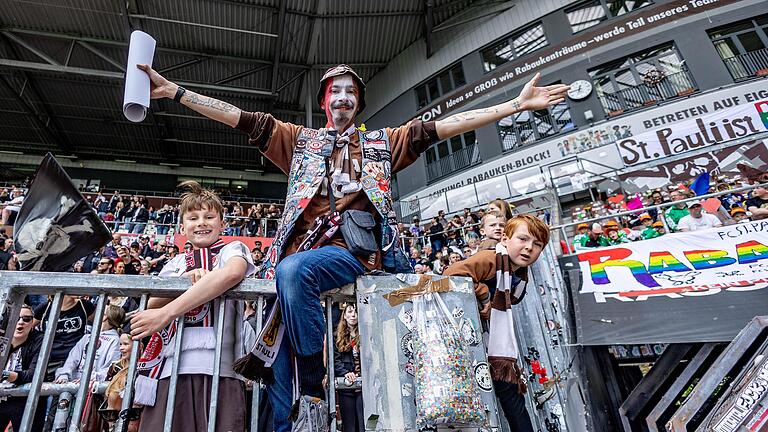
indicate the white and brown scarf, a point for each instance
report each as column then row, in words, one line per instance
column 503, row 352
column 343, row 175
column 152, row 360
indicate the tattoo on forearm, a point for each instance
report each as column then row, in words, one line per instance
column 515, row 104
column 216, row 104
column 470, row 115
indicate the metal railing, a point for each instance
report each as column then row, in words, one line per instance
column 16, row 285
column 458, row 160
column 642, row 95
column 747, row 65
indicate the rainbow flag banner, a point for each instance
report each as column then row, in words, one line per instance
column 701, row 286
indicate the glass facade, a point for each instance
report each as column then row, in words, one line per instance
column 449, row 156
column 443, row 83
column 743, row 46
column 642, row 79
column 516, row 45
column 593, row 12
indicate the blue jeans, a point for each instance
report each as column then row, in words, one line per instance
column 162, row 229
column 138, row 228
column 300, row 279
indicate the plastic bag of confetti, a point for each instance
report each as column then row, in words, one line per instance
column 445, row 388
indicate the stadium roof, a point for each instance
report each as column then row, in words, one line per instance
column 62, row 66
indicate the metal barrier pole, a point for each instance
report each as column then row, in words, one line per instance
column 42, row 362
column 123, row 420
column 329, row 350
column 11, row 308
column 216, row 365
column 90, row 355
column 256, row 399
column 168, row 419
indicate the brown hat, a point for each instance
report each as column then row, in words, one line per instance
column 737, row 209
column 582, row 225
column 645, row 216
column 658, row 224
column 338, row 71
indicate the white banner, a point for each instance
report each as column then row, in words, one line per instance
column 723, row 125
column 700, row 263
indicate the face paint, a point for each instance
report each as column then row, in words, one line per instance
column 340, row 102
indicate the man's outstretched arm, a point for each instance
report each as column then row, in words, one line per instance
column 212, row 108
column 530, row 98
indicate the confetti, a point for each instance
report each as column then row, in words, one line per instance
column 445, row 387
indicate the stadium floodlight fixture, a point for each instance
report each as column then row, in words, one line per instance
column 213, row 167
column 169, row 164
column 125, row 161
column 257, row 171
column 12, row 152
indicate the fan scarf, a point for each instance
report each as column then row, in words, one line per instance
column 502, row 344
column 151, row 363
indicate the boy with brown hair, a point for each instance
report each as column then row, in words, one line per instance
column 500, row 277
column 491, row 228
column 213, row 268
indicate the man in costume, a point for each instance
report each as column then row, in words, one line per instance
column 309, row 255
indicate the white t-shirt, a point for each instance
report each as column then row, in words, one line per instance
column 198, row 345
column 706, row 220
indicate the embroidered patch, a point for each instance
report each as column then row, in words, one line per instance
column 314, row 146
column 374, row 135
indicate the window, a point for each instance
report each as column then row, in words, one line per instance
column 592, row 13
column 530, row 126
column 449, row 156
column 642, row 79
column 517, row 45
column 445, row 82
column 743, row 46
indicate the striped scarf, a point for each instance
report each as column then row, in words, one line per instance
column 151, row 363
column 343, row 175
column 502, row 343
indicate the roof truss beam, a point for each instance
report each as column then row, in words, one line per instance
column 69, row 70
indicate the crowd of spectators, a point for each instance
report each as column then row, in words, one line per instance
column 134, row 214
column 663, row 210
column 74, row 324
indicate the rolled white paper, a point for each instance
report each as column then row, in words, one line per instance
column 136, row 96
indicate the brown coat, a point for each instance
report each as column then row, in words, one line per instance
column 481, row 267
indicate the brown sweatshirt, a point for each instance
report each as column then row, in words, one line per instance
column 481, row 267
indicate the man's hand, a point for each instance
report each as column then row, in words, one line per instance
column 159, row 86
column 536, row 98
column 145, row 323
column 61, row 380
column 531, row 98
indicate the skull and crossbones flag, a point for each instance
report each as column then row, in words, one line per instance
column 56, row 226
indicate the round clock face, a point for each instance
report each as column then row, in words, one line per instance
column 580, row 90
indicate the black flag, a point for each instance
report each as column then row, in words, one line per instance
column 55, row 226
